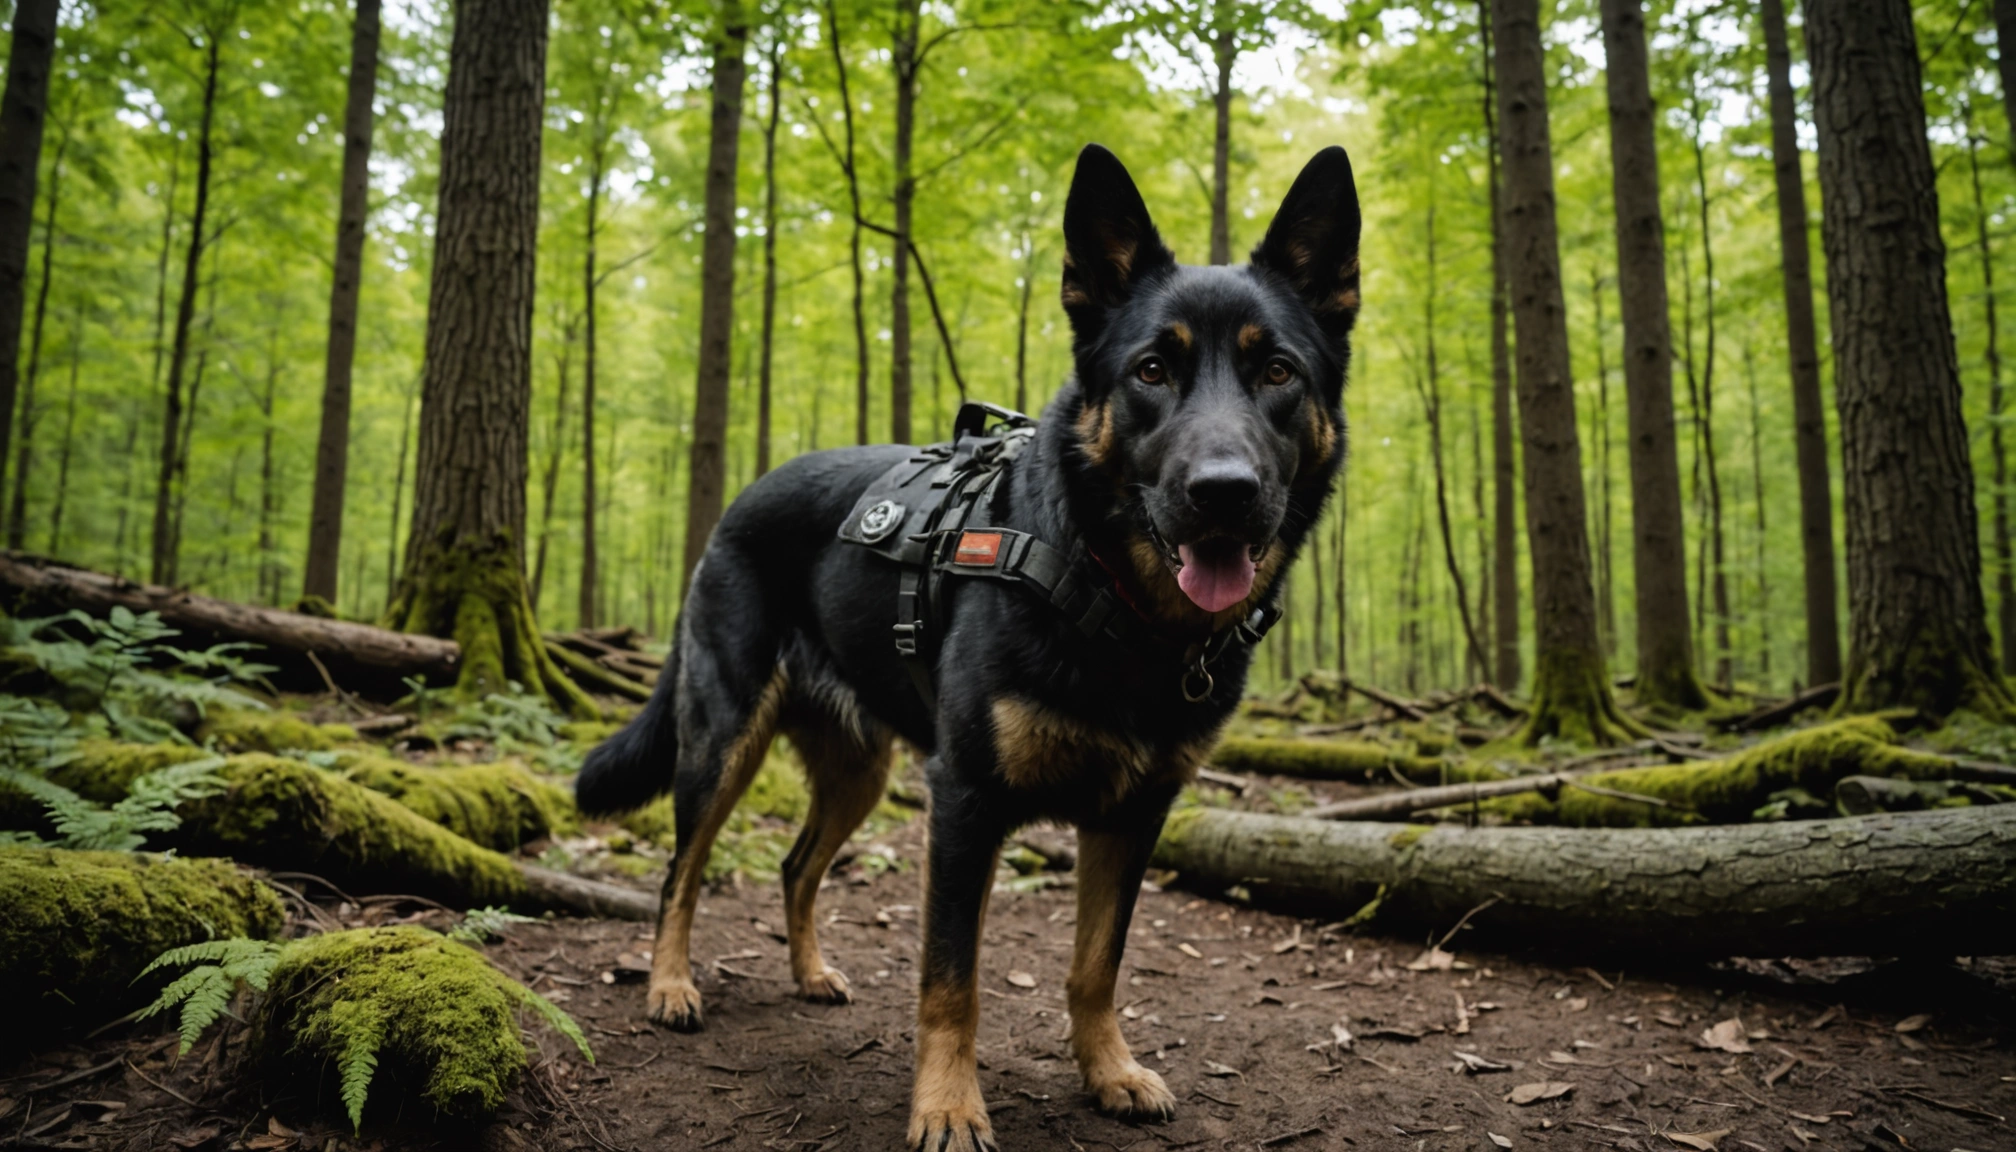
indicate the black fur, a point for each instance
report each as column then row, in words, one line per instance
column 777, row 587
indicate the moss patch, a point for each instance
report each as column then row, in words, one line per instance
column 498, row 805
column 1572, row 703
column 239, row 730
column 433, row 1016
column 77, row 927
column 1730, row 789
column 1337, row 760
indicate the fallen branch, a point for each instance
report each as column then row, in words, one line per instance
column 595, row 677
column 1334, row 760
column 1937, row 883
column 1772, row 715
column 352, row 651
column 1410, row 709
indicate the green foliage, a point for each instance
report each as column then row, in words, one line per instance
column 148, row 806
column 205, row 991
column 481, row 924
column 119, row 667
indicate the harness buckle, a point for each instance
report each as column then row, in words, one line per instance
column 906, row 637
column 1197, row 672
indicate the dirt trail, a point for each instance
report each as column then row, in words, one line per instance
column 1242, row 1030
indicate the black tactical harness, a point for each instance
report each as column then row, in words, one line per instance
column 929, row 515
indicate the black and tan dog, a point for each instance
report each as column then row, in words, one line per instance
column 1192, row 453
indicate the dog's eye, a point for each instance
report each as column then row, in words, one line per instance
column 1151, row 371
column 1278, row 372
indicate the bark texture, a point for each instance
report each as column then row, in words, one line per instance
column 355, row 652
column 1224, row 53
column 1504, row 465
column 1571, row 689
column 1918, row 633
column 23, row 108
column 1666, row 672
column 1816, row 501
column 763, row 371
column 464, row 574
column 708, row 459
column 1931, row 883
column 332, row 448
column 906, row 61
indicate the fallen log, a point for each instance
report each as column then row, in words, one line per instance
column 354, row 653
column 1339, row 760
column 78, row 927
column 595, row 677
column 1772, row 715
column 1933, row 883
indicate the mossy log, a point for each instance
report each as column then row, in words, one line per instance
column 399, row 1006
column 360, row 656
column 1730, row 789
column 591, row 674
column 498, row 805
column 1931, row 883
column 77, row 927
column 1340, row 760
column 242, row 730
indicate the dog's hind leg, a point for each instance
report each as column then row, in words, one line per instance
column 731, row 689
column 847, row 773
column 1111, row 862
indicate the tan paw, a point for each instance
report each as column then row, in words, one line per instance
column 827, row 986
column 675, row 1004
column 1134, row 1092
column 960, row 1128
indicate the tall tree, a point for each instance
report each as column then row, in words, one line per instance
column 2005, row 565
column 332, row 446
column 22, row 109
column 849, row 169
column 207, row 37
column 1571, row 688
column 1718, row 581
column 24, row 456
column 1666, row 672
column 763, row 372
column 1504, row 464
column 1918, row 634
column 599, row 130
column 1816, row 499
column 906, row 60
column 464, row 574
column 708, row 463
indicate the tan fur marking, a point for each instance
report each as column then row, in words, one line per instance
column 1318, row 443
column 1249, row 336
column 1181, row 332
column 847, row 779
column 1095, row 434
column 672, row 994
column 1120, row 254
column 1345, row 301
column 1111, row 1072
column 946, row 1093
column 1164, row 600
column 1073, row 296
column 1035, row 746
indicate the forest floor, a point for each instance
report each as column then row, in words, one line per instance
column 1237, row 1008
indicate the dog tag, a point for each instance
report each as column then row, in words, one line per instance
column 977, row 549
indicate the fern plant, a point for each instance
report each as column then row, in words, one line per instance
column 148, row 806
column 119, row 667
column 480, row 924
column 205, row 992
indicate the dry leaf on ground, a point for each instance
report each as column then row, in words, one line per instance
column 1021, row 979
column 1699, row 1141
column 1543, row 1090
column 1725, row 1037
column 1914, row 1023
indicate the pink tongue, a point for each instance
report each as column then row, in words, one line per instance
column 1216, row 574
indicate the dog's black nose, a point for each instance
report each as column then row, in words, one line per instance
column 1224, row 487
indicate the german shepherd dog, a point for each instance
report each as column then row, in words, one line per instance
column 1192, row 453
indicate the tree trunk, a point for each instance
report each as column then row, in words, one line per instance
column 1763, row 534
column 69, row 434
column 585, row 601
column 1431, row 404
column 708, row 463
column 1918, row 634
column 1719, row 577
column 22, row 110
column 1504, row 465
column 2005, row 567
column 550, row 481
column 1606, row 570
column 163, row 566
column 853, row 175
column 1571, row 689
column 1816, row 501
column 763, row 378
column 24, row 460
column 1928, row 883
column 269, row 570
column 903, row 56
column 332, row 447
column 1666, row 675
column 1225, row 52
column 464, row 574
column 398, row 501
column 1022, row 323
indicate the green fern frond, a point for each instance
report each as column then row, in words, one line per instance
column 480, row 924
column 205, row 992
column 561, row 1022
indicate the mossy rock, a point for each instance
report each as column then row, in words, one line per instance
column 77, row 927
column 498, row 805
column 1729, row 790
column 439, row 1023
column 242, row 730
column 1339, row 760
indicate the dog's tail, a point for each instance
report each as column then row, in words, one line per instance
column 631, row 768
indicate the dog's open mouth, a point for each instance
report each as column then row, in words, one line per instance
column 1215, row 573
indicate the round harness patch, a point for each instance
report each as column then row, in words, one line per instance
column 880, row 520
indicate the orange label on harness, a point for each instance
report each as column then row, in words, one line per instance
column 977, row 548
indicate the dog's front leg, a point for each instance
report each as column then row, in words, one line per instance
column 1111, row 861
column 947, row 1113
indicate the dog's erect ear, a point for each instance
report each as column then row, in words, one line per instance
column 1313, row 242
column 1110, row 244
